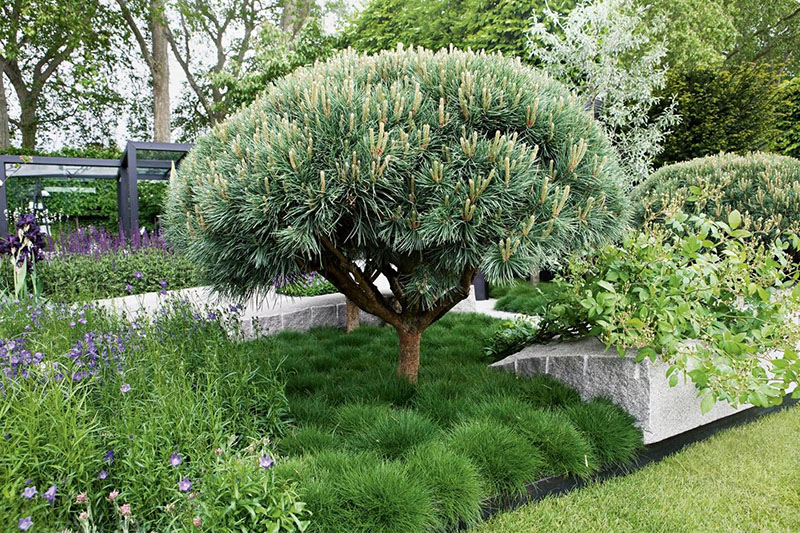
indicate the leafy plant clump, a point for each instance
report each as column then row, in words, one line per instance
column 763, row 188
column 153, row 425
column 417, row 166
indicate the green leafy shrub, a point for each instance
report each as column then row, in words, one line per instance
column 419, row 166
column 764, row 188
column 723, row 110
column 506, row 460
column 610, row 430
column 510, row 337
column 453, row 481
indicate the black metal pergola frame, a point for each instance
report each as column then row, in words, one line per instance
column 128, row 176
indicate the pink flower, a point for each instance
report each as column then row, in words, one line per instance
column 192, row 495
column 81, row 498
column 113, row 495
column 125, row 510
column 83, row 516
column 197, row 521
column 218, row 451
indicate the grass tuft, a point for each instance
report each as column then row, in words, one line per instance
column 611, row 431
column 391, row 434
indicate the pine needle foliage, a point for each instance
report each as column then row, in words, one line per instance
column 764, row 188
column 419, row 166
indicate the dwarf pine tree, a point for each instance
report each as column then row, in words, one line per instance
column 414, row 166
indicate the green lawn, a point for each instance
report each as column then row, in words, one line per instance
column 745, row 479
column 522, row 297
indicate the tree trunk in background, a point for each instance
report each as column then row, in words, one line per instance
column 160, row 73
column 294, row 15
column 27, row 122
column 352, row 316
column 4, row 133
column 408, row 362
column 535, row 276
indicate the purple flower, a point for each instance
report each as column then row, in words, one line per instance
column 109, row 456
column 184, row 485
column 103, row 474
column 128, row 287
column 266, row 462
column 212, row 316
column 175, row 459
column 29, row 492
column 72, row 324
column 125, row 388
column 25, row 523
column 163, row 283
column 137, row 275
column 163, row 291
column 50, row 494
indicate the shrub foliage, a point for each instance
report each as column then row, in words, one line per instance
column 764, row 188
column 421, row 167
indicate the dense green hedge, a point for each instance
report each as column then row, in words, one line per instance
column 98, row 206
column 765, row 188
column 788, row 142
column 723, row 110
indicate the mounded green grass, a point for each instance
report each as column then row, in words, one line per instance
column 744, row 479
column 372, row 453
column 523, row 297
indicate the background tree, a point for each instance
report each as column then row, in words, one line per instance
column 57, row 56
column 480, row 24
column 788, row 140
column 146, row 20
column 614, row 62
column 419, row 167
column 723, row 110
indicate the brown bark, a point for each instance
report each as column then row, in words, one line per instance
column 4, row 134
column 28, row 125
column 159, row 70
column 352, row 316
column 408, row 361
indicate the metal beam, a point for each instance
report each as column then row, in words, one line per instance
column 3, row 201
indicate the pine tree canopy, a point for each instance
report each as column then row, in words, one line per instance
column 419, row 166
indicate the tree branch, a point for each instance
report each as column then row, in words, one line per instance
column 128, row 16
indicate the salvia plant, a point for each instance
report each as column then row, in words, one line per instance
column 23, row 250
column 763, row 188
column 418, row 166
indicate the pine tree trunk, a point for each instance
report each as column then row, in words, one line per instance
column 408, row 362
column 160, row 73
column 352, row 316
column 4, row 133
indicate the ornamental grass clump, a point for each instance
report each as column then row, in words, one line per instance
column 763, row 188
column 421, row 167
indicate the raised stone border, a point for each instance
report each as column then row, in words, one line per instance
column 641, row 389
column 262, row 314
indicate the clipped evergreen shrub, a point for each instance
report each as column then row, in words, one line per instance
column 764, row 188
column 419, row 166
column 788, row 140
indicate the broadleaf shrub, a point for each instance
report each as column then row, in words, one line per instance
column 763, row 188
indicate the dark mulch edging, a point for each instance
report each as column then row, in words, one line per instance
column 652, row 453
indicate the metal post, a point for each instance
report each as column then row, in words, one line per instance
column 3, row 201
column 481, row 287
column 122, row 196
column 133, row 192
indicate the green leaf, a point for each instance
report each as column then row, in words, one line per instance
column 734, row 219
column 606, row 285
column 707, row 404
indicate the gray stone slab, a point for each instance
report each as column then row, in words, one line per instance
column 641, row 389
column 324, row 316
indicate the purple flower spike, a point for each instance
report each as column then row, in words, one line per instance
column 50, row 494
column 125, row 388
column 109, row 456
column 266, row 462
column 25, row 523
column 29, row 492
column 184, row 485
column 103, row 474
column 175, row 459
